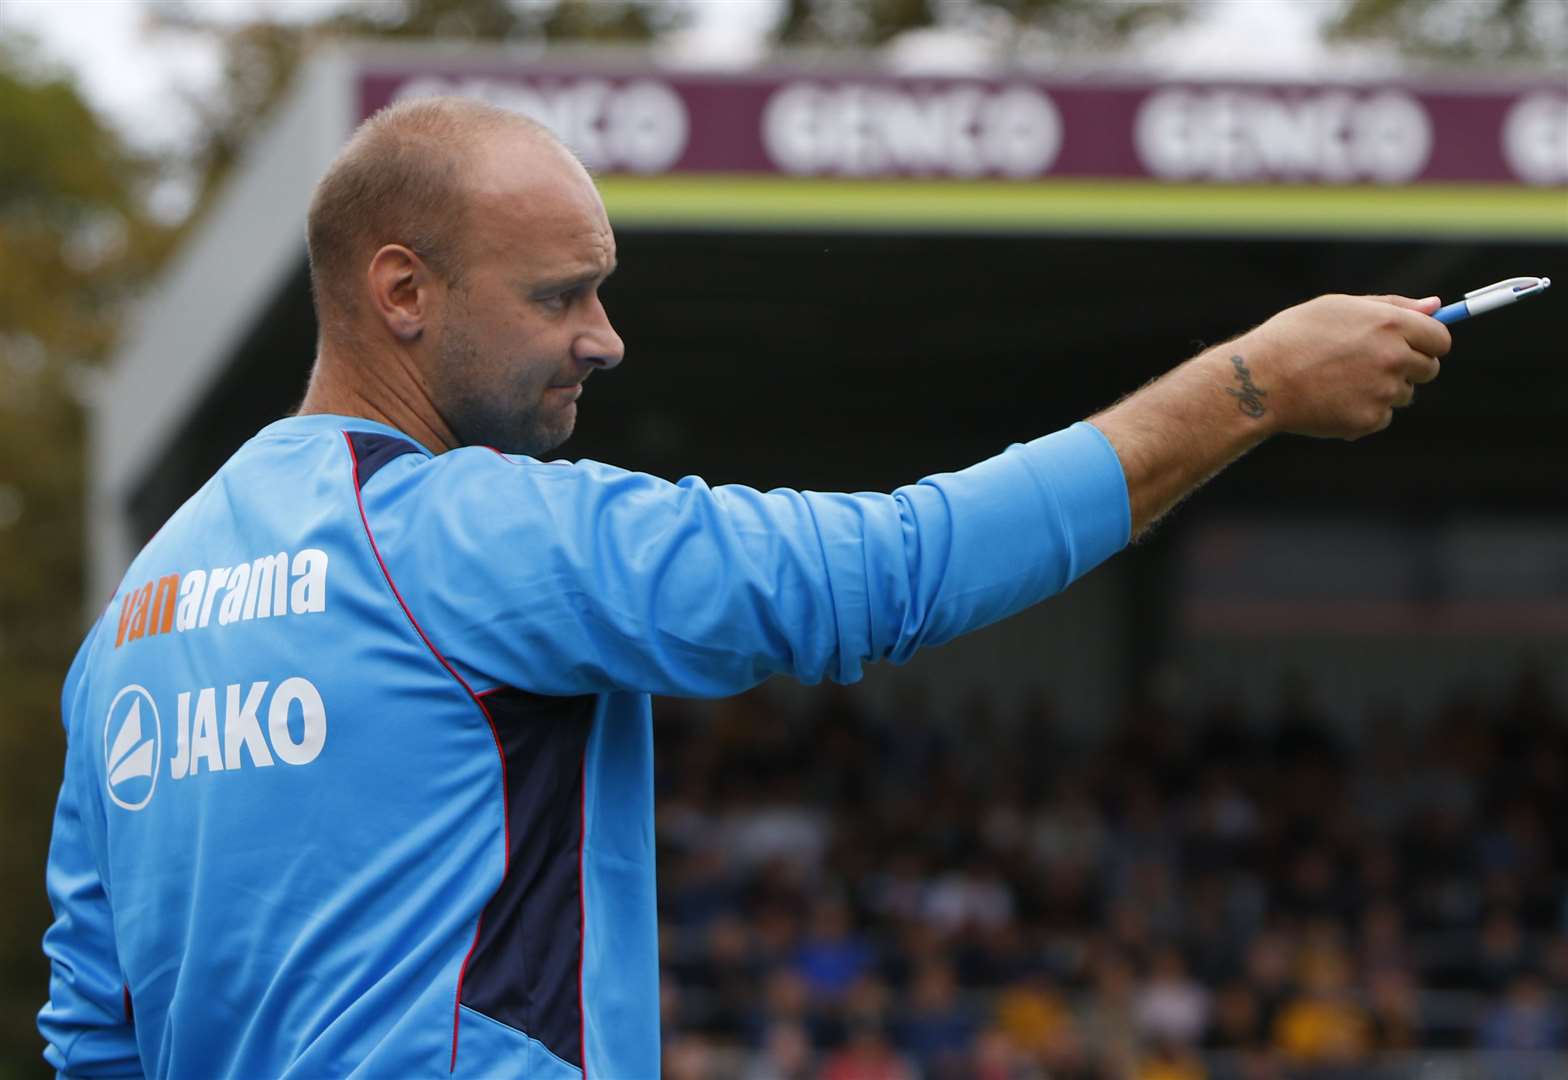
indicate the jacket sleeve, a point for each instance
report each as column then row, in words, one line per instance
column 86, row 1022
column 570, row 579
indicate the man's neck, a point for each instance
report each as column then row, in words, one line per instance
column 391, row 396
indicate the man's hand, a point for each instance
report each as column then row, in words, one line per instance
column 1334, row 367
column 1338, row 366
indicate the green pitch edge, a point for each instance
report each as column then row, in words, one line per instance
column 1101, row 206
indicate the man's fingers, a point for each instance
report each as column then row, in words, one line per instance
column 1406, row 395
column 1416, row 323
column 1421, row 368
column 1425, row 334
column 1426, row 305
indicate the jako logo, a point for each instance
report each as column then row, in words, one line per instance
column 213, row 732
column 132, row 745
column 198, row 742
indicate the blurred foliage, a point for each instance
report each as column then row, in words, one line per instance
column 75, row 242
column 1046, row 28
column 1473, row 32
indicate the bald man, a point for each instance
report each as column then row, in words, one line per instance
column 359, row 778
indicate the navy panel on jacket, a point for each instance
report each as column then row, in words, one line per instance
column 526, row 967
column 372, row 450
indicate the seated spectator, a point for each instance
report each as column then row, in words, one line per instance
column 773, row 829
column 1110, row 1026
column 935, row 1030
column 1170, row 1063
column 786, row 999
column 1396, row 1009
column 996, row 1057
column 1069, row 830
column 1224, row 822
column 866, row 1056
column 974, row 898
column 897, row 892
column 1501, row 950
column 994, row 957
column 1268, row 972
column 727, row 974
column 1383, row 942
column 702, row 888
column 1236, row 1020
column 785, row 1055
column 867, row 1003
column 1313, row 888
column 1171, row 1008
column 1555, row 957
column 1032, row 1015
column 775, row 934
column 1213, row 927
column 1529, row 1019
column 1259, row 1064
column 1324, row 1025
column 696, row 1057
column 832, row 957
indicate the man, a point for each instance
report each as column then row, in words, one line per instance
column 359, row 767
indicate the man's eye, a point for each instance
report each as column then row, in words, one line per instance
column 559, row 301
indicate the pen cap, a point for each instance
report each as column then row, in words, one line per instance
column 1511, row 285
column 1487, row 301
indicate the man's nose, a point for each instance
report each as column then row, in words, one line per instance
column 599, row 344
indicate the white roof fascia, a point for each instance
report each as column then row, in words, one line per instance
column 222, row 279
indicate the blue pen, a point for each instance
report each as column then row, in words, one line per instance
column 1502, row 294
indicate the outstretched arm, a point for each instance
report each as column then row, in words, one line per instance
column 1333, row 367
column 572, row 579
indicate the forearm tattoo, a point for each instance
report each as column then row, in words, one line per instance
column 1250, row 396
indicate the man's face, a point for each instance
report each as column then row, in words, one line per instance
column 524, row 327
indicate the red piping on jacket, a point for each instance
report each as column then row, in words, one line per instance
column 506, row 817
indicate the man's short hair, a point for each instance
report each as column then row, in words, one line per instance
column 398, row 180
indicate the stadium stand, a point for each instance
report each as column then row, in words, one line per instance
column 1202, row 893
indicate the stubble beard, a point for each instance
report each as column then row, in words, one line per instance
column 483, row 408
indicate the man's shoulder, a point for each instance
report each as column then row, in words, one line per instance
column 400, row 469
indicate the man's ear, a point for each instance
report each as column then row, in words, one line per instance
column 400, row 291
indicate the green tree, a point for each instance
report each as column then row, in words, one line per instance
column 1469, row 32
column 1017, row 27
column 75, row 242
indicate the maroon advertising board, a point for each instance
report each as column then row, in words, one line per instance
column 880, row 126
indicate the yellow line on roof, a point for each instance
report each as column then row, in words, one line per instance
column 1099, row 206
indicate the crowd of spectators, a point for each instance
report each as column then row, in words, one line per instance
column 891, row 895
